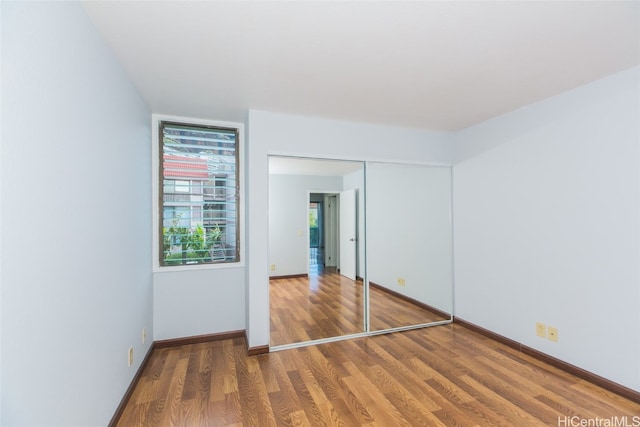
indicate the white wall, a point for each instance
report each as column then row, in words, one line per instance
column 288, row 215
column 76, row 281
column 273, row 133
column 409, row 231
column 198, row 302
column 546, row 214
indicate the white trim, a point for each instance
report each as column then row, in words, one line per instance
column 453, row 249
column 359, row 335
column 155, row 192
column 361, row 159
column 364, row 269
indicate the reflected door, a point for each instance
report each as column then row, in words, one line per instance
column 348, row 249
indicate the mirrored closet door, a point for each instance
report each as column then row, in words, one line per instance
column 330, row 275
column 315, row 249
column 409, row 245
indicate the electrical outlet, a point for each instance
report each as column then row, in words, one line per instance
column 273, row 267
column 401, row 281
column 300, row 232
column 130, row 355
column 144, row 335
column 553, row 334
column 541, row 330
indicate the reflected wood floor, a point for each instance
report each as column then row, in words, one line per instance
column 329, row 304
column 314, row 307
column 439, row 376
column 390, row 311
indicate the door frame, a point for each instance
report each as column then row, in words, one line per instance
column 337, row 228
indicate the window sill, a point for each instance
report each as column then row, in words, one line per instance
column 197, row 267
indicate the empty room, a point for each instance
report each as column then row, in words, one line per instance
column 319, row 213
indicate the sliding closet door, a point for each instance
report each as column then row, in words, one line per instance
column 326, row 301
column 409, row 245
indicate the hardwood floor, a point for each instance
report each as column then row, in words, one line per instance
column 440, row 376
column 328, row 305
column 390, row 311
column 314, row 307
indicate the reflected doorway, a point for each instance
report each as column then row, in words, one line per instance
column 323, row 232
column 316, row 235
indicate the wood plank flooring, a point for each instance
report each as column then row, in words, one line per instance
column 440, row 376
column 389, row 311
column 314, row 307
column 329, row 305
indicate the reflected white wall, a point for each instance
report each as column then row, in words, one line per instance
column 409, row 233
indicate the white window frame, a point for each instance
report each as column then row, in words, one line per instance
column 155, row 184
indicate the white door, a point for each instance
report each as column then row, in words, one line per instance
column 348, row 243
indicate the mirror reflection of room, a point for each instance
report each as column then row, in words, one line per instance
column 316, row 287
column 409, row 245
column 317, row 211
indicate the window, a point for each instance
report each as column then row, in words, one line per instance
column 199, row 206
column 182, row 186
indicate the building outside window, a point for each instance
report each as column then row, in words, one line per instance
column 199, row 197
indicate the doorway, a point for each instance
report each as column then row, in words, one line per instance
column 317, row 261
column 323, row 232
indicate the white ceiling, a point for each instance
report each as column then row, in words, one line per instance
column 440, row 65
column 302, row 166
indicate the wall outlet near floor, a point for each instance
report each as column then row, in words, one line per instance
column 273, row 267
column 401, row 281
column 130, row 355
column 553, row 334
column 541, row 330
column 144, row 335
